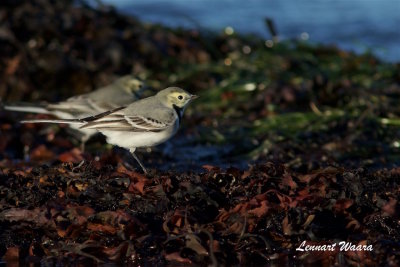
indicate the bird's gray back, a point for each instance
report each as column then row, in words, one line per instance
column 150, row 108
column 113, row 94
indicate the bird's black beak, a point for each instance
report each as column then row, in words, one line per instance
column 193, row 97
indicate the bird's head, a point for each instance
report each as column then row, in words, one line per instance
column 175, row 96
column 130, row 84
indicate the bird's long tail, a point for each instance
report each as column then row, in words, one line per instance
column 82, row 122
column 57, row 121
column 29, row 109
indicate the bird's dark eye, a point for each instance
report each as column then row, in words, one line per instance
column 180, row 97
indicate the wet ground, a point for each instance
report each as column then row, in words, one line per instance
column 287, row 143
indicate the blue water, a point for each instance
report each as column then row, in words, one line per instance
column 356, row 25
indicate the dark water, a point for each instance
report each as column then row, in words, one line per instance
column 356, row 25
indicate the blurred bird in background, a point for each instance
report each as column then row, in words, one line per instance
column 121, row 92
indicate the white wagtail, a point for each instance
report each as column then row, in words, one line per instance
column 121, row 92
column 143, row 123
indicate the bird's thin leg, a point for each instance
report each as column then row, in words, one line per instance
column 82, row 146
column 132, row 150
column 84, row 139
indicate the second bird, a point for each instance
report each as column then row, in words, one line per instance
column 121, row 92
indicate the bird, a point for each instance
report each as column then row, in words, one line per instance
column 121, row 92
column 144, row 123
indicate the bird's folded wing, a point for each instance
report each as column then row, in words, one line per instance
column 121, row 122
column 81, row 105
